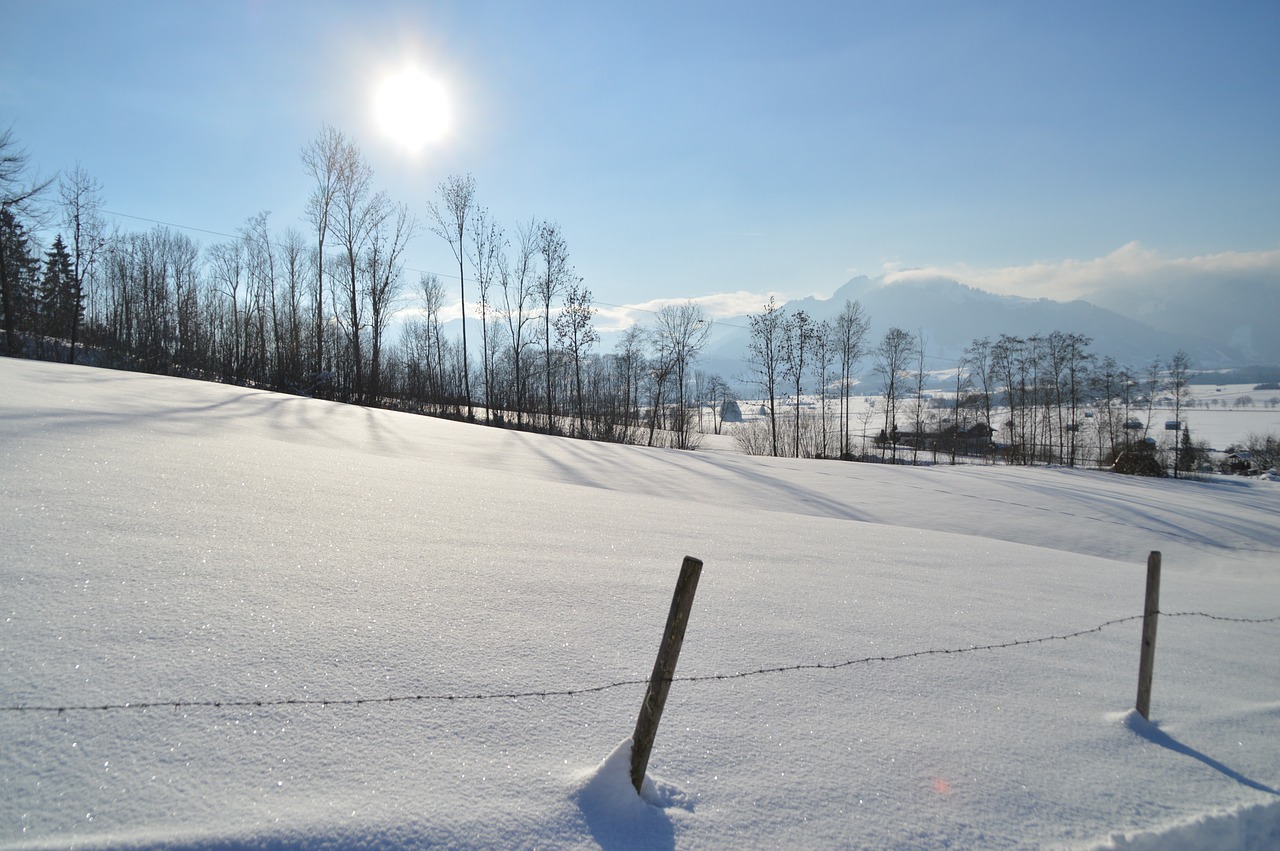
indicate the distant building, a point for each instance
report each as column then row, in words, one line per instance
column 1240, row 464
column 974, row 440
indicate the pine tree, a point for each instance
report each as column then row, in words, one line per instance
column 21, row 273
column 57, row 292
column 1188, row 457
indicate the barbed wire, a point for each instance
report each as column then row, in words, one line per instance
column 573, row 692
column 1216, row 617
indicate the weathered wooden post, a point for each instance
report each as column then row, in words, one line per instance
column 1150, row 614
column 655, row 696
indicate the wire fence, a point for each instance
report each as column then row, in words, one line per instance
column 573, row 692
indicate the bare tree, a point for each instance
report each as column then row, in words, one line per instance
column 764, row 352
column 573, row 328
column 659, row 375
column 81, row 214
column 977, row 359
column 1007, row 358
column 433, row 295
column 918, row 405
column 260, row 257
column 797, row 349
column 557, row 274
column 358, row 213
column 959, row 424
column 449, row 219
column 720, row 394
column 383, row 268
column 184, row 261
column 1075, row 370
column 323, row 160
column 227, row 261
column 518, row 282
column 850, row 342
column 1179, row 385
column 825, row 348
column 629, row 350
column 892, row 359
column 1153, row 384
column 293, row 255
column 681, row 333
column 487, row 259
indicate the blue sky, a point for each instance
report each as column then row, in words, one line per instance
column 701, row 149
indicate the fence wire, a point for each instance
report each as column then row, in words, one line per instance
column 572, row 692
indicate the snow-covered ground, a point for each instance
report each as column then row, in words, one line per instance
column 1215, row 415
column 252, row 564
column 1219, row 418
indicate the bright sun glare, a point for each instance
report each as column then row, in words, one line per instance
column 412, row 108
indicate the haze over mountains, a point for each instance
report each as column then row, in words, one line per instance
column 1233, row 324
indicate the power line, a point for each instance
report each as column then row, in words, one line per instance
column 171, row 224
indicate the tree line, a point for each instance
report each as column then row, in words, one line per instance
column 1038, row 399
column 310, row 309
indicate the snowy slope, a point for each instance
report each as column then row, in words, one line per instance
column 173, row 542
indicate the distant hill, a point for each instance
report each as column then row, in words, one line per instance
column 1233, row 325
column 951, row 315
column 1241, row 314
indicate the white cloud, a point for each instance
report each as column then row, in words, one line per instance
column 1130, row 265
column 716, row 305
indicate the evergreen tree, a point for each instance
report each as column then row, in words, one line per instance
column 1188, row 456
column 20, row 191
column 58, row 292
column 21, row 275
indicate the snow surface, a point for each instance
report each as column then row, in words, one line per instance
column 166, row 541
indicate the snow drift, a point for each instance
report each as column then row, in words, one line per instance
column 341, row 618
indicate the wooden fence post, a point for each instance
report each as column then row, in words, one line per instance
column 655, row 696
column 1150, row 614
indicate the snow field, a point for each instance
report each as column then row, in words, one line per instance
column 171, row 541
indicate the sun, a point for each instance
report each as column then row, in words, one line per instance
column 412, row 108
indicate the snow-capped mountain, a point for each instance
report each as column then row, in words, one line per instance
column 950, row 315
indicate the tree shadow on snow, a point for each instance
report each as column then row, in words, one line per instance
column 1151, row 732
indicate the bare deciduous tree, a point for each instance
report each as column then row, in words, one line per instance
column 576, row 336
column 518, row 282
column 323, row 160
column 358, row 212
column 797, row 349
column 629, row 350
column 851, row 330
column 488, row 257
column 556, row 276
column 293, row 255
column 764, row 352
column 382, row 273
column 824, row 354
column 681, row 333
column 449, row 219
column 893, row 356
column 1179, row 386
column 81, row 214
column 432, row 292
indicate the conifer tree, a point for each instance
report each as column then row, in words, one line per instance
column 57, row 303
column 20, row 271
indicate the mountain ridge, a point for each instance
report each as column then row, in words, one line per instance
column 950, row 315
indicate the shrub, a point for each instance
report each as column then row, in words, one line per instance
column 1139, row 460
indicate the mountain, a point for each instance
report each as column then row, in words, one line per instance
column 950, row 315
column 1230, row 324
column 1242, row 313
